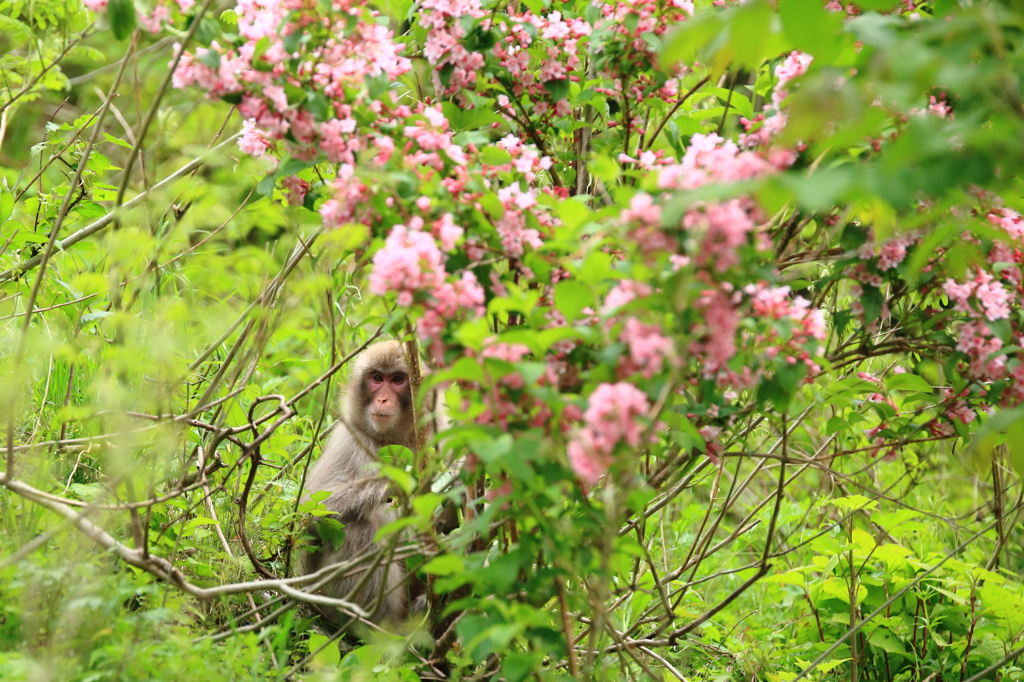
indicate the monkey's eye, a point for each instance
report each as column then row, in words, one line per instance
column 378, row 378
column 398, row 379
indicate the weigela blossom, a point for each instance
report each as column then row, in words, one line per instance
column 332, row 70
column 622, row 293
column 643, row 218
column 409, row 262
column 711, row 159
column 610, row 419
column 253, row 140
column 648, row 347
column 348, row 199
column 794, row 65
column 721, row 320
column 991, row 296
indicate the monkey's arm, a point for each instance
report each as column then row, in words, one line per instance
column 354, row 500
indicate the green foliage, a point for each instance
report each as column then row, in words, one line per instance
column 829, row 535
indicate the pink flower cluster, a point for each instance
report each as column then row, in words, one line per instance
column 537, row 52
column 348, row 202
column 892, row 252
column 712, row 159
column 526, row 160
column 153, row 21
column 721, row 229
column 432, row 135
column 444, row 45
column 512, row 226
column 721, row 310
column 622, row 293
column 766, row 126
column 793, row 66
column 332, row 69
column 716, row 346
column 410, row 264
column 643, row 218
column 611, row 419
column 648, row 348
column 778, row 303
column 992, row 298
column 625, row 56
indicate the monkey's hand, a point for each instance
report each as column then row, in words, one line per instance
column 355, row 500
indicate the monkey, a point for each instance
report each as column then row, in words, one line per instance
column 377, row 410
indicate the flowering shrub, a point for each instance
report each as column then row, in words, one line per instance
column 639, row 245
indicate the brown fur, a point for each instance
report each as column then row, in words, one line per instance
column 359, row 498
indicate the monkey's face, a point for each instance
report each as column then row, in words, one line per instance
column 388, row 398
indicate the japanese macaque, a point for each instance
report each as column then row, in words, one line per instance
column 377, row 410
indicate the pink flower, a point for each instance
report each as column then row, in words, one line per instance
column 893, row 252
column 154, row 21
column 710, row 159
column 589, row 463
column 643, row 210
column 348, row 201
column 991, row 295
column 253, row 141
column 622, row 293
column 462, row 294
column 647, row 347
column 721, row 321
column 336, row 142
column 794, row 65
column 447, row 232
column 96, row 5
column 295, row 189
column 1009, row 220
column 610, row 419
column 409, row 262
column 511, row 227
column 723, row 228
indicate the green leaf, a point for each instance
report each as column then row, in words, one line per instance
column 908, row 382
column 491, row 449
column 293, row 167
column 494, row 156
column 446, row 564
column 886, row 641
column 403, row 478
column 258, row 62
column 855, row 503
column 750, row 31
column 687, row 42
column 811, row 28
column 872, row 300
column 558, row 89
column 210, row 58
column 329, row 657
column 571, row 297
column 573, row 213
column 121, row 14
column 6, row 204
